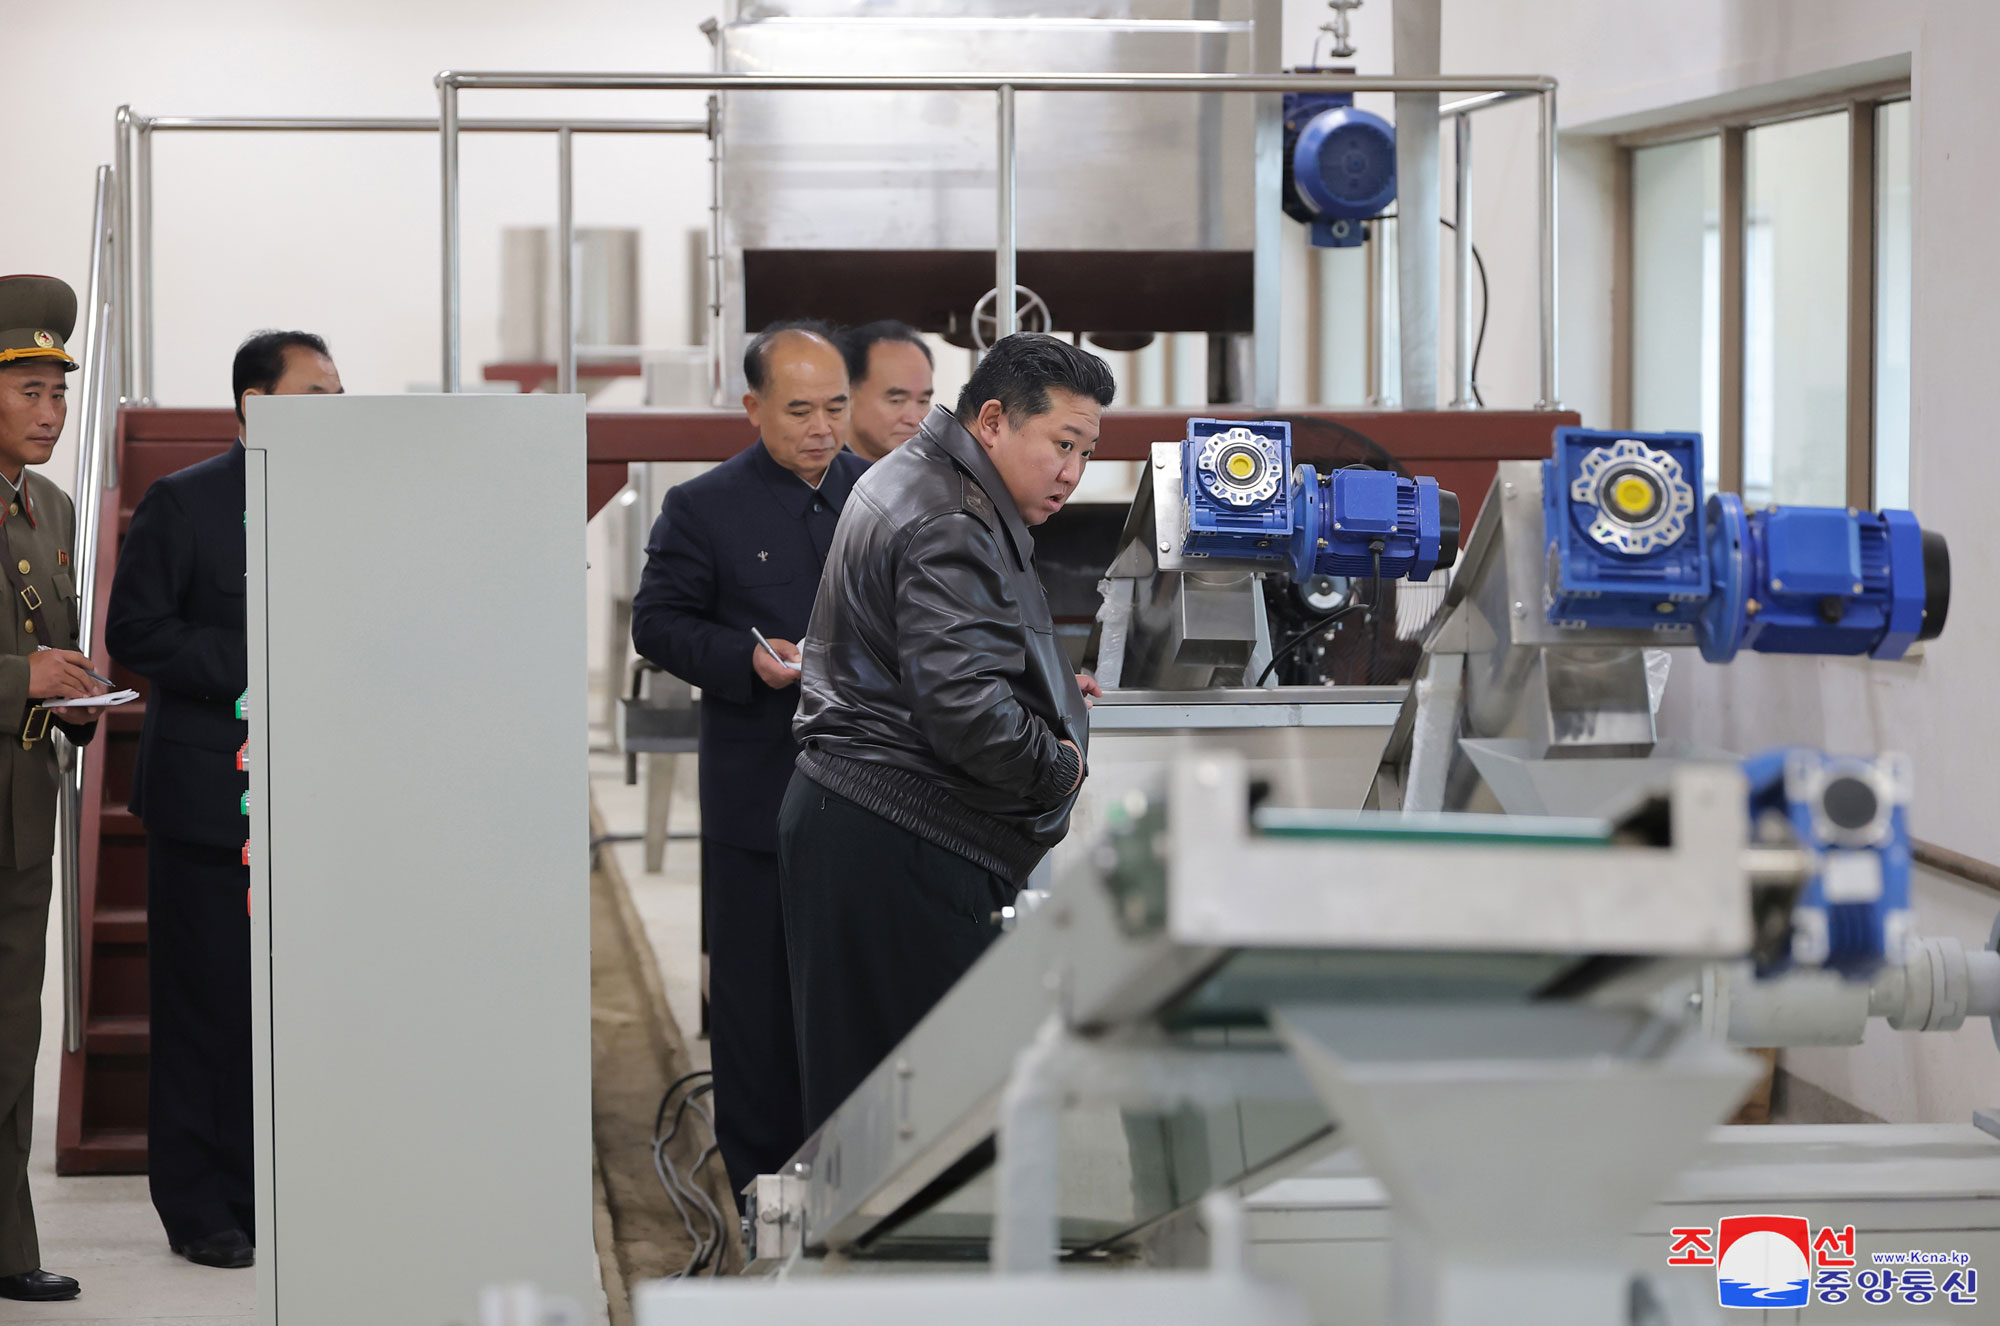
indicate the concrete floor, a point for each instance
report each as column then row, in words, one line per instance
column 102, row 1229
column 670, row 902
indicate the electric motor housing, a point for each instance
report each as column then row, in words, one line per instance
column 1236, row 489
column 1344, row 517
column 1623, row 533
column 1340, row 166
column 1851, row 815
column 1243, row 499
column 1821, row 580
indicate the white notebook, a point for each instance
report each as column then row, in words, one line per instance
column 93, row 701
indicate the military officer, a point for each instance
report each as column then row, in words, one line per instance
column 38, row 662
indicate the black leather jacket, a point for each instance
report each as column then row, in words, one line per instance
column 935, row 692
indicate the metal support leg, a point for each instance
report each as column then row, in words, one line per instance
column 1268, row 257
column 660, row 772
column 1059, row 1070
column 1434, row 735
column 1417, row 47
column 1029, row 1158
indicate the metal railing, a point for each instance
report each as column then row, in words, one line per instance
column 98, row 378
column 1485, row 91
column 135, row 201
column 117, row 367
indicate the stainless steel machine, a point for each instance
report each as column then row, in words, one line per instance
column 1134, row 214
column 1455, row 1060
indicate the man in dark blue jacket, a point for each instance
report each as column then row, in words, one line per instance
column 176, row 619
column 735, row 551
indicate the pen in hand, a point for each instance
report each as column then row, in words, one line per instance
column 102, row 681
column 782, row 661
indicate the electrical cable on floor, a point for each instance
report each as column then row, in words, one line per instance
column 670, row 1178
column 690, row 1193
column 715, row 1216
column 709, row 1253
column 685, row 1191
column 706, row 1246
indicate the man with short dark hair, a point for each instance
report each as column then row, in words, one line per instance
column 889, row 378
column 943, row 730
column 39, row 666
column 738, row 551
column 176, row 618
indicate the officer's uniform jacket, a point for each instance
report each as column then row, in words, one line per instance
column 38, row 543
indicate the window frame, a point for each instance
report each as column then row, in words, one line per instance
column 1863, row 229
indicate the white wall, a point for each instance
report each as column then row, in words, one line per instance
column 1622, row 65
column 339, row 234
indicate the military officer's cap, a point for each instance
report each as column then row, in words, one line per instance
column 37, row 315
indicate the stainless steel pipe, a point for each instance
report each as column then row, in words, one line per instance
column 414, row 125
column 1551, row 397
column 96, row 366
column 140, row 243
column 1462, row 394
column 1381, row 298
column 448, row 218
column 122, row 156
column 1515, row 84
column 141, row 182
column 1485, row 90
column 565, row 264
column 1005, row 321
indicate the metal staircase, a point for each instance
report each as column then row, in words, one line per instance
column 101, row 1120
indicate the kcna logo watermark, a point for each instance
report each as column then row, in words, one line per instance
column 1775, row 1261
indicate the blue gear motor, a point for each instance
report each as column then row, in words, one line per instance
column 1821, row 580
column 1623, row 525
column 1630, row 546
column 1852, row 815
column 1340, row 165
column 1244, row 500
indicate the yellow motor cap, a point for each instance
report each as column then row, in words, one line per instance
column 1242, row 465
column 1632, row 494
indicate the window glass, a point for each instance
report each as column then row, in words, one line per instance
column 1892, row 304
column 1795, row 312
column 1676, row 291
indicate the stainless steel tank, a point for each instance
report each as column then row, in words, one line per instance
column 607, row 282
column 1135, row 210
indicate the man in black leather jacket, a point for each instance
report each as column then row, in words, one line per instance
column 943, row 732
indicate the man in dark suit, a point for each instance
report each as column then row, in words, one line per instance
column 176, row 619
column 736, row 550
